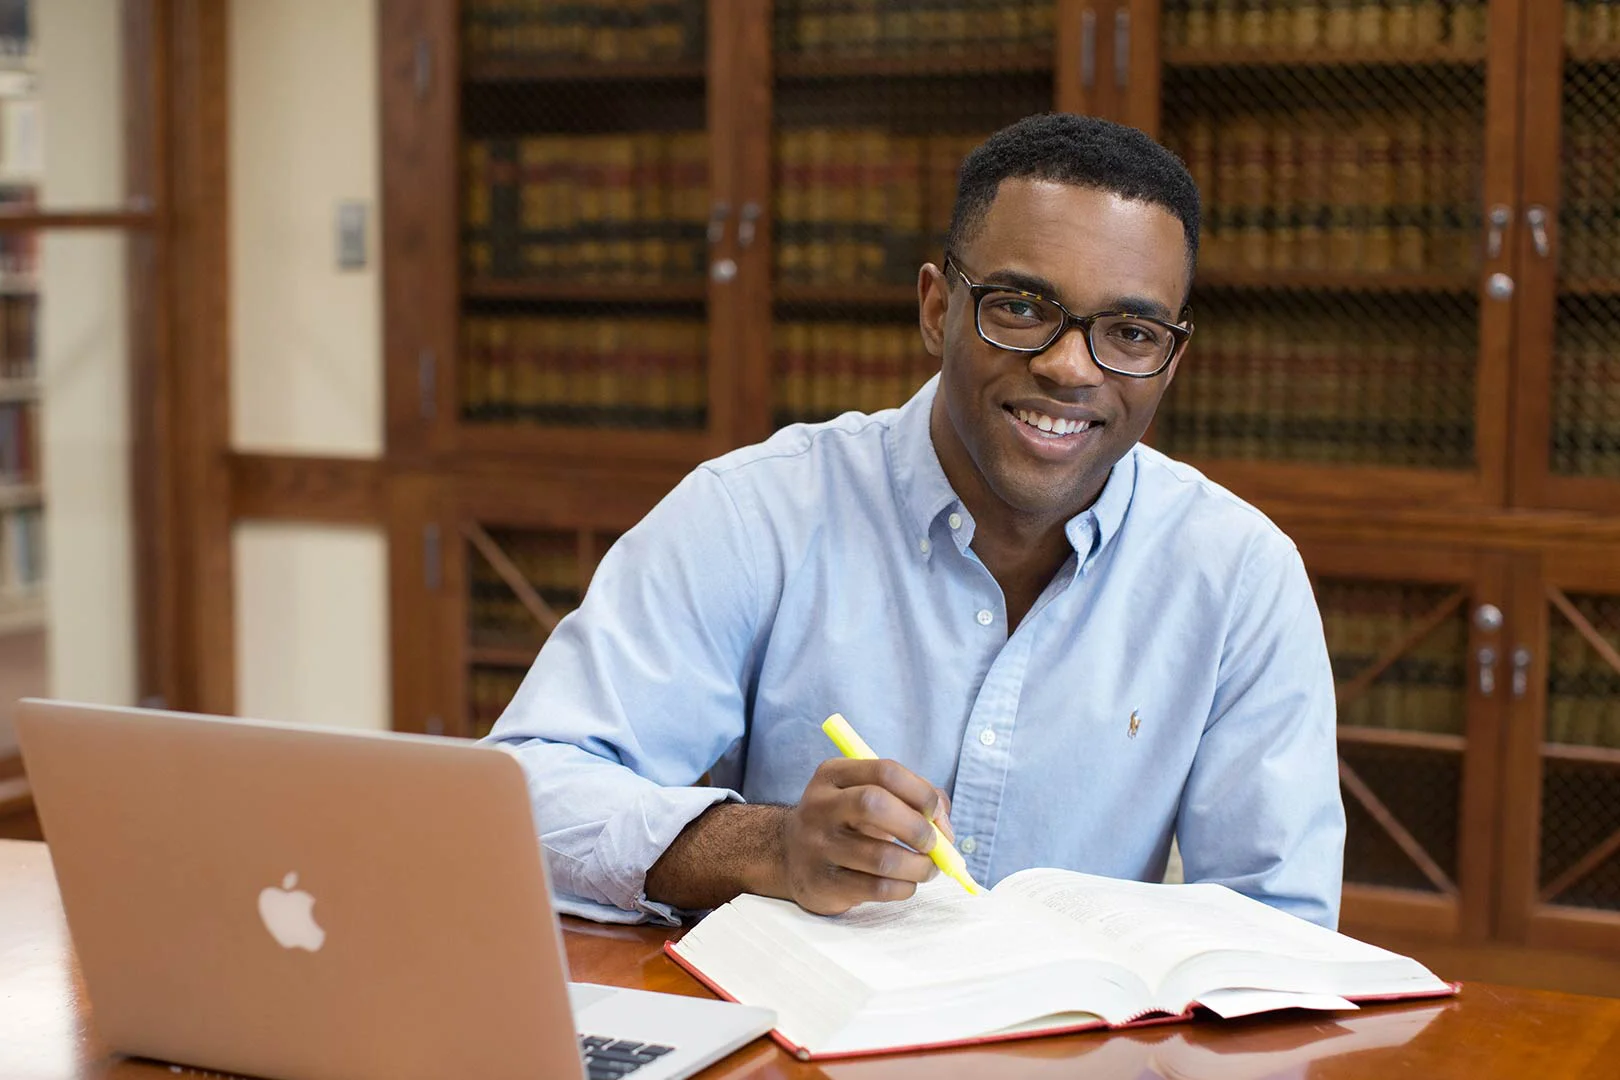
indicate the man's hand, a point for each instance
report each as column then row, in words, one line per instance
column 838, row 843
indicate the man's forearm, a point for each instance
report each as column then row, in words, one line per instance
column 729, row 849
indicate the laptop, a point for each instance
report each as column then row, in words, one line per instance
column 290, row 902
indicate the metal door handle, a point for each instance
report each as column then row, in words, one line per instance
column 1088, row 48
column 1500, row 218
column 1122, row 48
column 1521, row 671
column 1536, row 217
column 745, row 223
column 1487, row 671
column 717, row 221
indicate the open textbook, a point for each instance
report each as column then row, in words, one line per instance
column 1045, row 951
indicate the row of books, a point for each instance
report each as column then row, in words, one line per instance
column 822, row 369
column 1426, row 688
column 1583, row 690
column 19, row 442
column 19, row 335
column 872, row 28
column 1591, row 22
column 583, row 31
column 1328, row 25
column 22, row 551
column 549, row 561
column 1372, row 194
column 605, row 371
column 1326, row 385
column 1585, row 406
column 489, row 691
column 861, row 205
column 1589, row 213
column 602, row 208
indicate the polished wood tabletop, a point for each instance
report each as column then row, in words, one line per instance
column 47, row 1030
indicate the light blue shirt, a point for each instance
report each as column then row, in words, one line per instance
column 1172, row 679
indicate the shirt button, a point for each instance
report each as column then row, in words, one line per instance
column 922, row 545
column 985, row 618
column 988, row 737
column 955, row 520
column 967, row 845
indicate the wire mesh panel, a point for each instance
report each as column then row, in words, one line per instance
column 1580, row 786
column 490, row 688
column 584, row 180
column 1585, row 392
column 1399, row 654
column 1417, row 663
column 1339, row 148
column 876, row 104
column 548, row 562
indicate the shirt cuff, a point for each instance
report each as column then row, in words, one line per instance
column 637, row 837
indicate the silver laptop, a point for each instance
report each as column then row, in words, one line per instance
column 298, row 903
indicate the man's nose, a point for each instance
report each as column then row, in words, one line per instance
column 1068, row 362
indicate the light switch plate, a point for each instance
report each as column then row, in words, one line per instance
column 351, row 235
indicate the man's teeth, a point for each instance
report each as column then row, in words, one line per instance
column 1053, row 424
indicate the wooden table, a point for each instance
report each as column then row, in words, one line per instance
column 47, row 1031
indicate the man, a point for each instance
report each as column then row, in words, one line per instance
column 1092, row 647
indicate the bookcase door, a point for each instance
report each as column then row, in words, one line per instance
column 873, row 106
column 1358, row 164
column 1561, row 837
column 519, row 558
column 1416, row 647
column 1567, row 404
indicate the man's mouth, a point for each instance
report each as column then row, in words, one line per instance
column 1052, row 427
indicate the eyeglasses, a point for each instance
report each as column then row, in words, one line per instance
column 1136, row 346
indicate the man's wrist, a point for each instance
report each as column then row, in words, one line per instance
column 730, row 848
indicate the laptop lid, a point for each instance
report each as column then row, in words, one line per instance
column 284, row 901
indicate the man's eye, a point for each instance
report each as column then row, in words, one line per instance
column 1018, row 309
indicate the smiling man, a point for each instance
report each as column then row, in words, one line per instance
column 1091, row 647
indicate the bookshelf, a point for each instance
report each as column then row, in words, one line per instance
column 1352, row 373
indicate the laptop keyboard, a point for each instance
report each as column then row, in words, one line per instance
column 609, row 1059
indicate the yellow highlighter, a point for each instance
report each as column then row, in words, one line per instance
column 944, row 853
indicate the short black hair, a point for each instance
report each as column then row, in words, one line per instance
column 1084, row 151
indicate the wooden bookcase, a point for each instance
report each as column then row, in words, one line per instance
column 1404, row 353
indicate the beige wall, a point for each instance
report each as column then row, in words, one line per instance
column 84, row 424
column 306, row 354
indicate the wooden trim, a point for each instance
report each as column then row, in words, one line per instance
column 1393, row 525
column 1143, row 98
column 1582, row 866
column 499, row 70
column 1069, row 92
column 1029, row 61
column 1185, row 57
column 69, row 220
column 1397, row 911
column 420, row 221
column 1425, row 626
column 595, row 446
column 424, row 617
column 1519, row 813
column 531, row 600
column 1338, row 281
column 1590, row 755
column 1397, row 832
column 1406, row 740
column 1367, row 485
column 1478, row 858
column 748, row 89
column 199, row 359
column 1555, row 926
column 1537, row 278
column 277, row 487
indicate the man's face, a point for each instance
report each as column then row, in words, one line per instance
column 1091, row 251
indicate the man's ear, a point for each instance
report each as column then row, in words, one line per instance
column 932, row 302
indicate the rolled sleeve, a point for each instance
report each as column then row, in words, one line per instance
column 634, row 696
column 1261, row 812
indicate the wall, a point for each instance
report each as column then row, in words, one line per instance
column 84, row 420
column 306, row 355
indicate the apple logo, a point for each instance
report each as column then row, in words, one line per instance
column 288, row 915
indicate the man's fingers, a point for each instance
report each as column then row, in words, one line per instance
column 880, row 858
column 879, row 814
column 942, row 817
column 906, row 785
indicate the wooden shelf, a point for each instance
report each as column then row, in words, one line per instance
column 503, row 655
column 1182, row 56
column 1594, row 755
column 1339, row 281
column 1593, row 52
column 14, row 495
column 586, row 292
column 848, row 295
column 1411, row 740
column 21, row 614
column 1590, row 286
column 1030, row 61
column 559, row 71
column 19, row 389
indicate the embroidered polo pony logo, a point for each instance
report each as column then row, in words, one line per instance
column 1136, row 722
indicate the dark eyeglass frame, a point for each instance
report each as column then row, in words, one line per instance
column 1085, row 322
